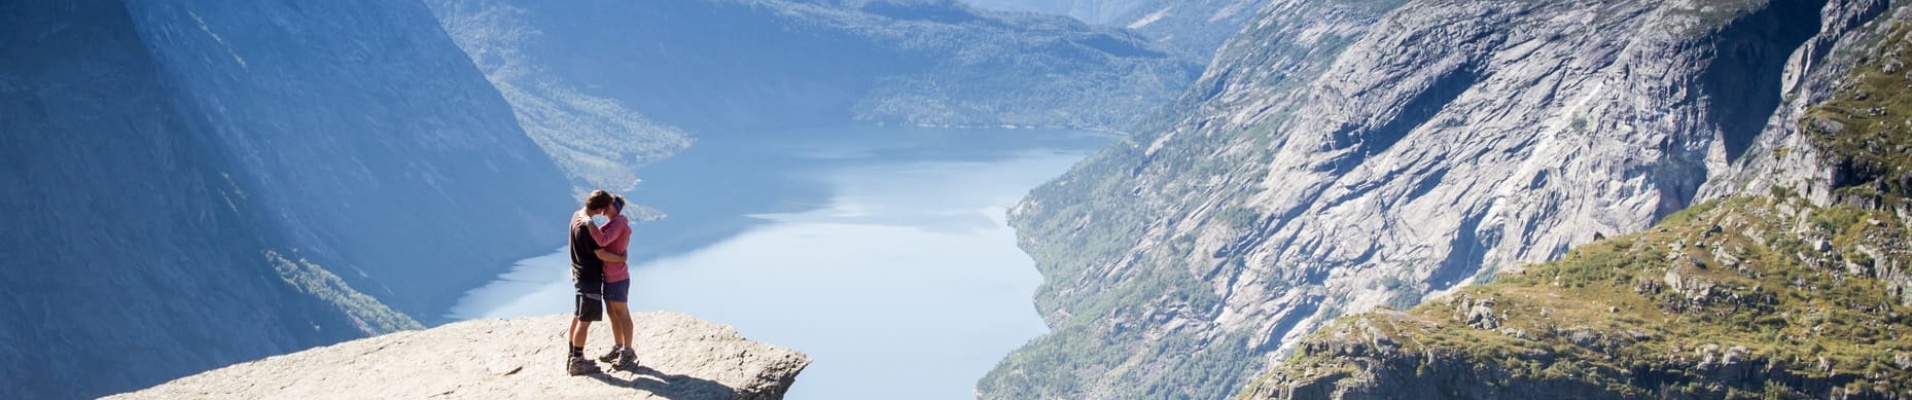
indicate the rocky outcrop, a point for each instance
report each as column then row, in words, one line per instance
column 680, row 357
column 1339, row 156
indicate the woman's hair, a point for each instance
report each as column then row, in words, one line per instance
column 618, row 200
column 598, row 200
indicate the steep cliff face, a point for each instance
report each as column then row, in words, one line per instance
column 1341, row 155
column 135, row 253
column 721, row 66
column 680, row 358
column 366, row 136
column 1828, row 148
column 184, row 178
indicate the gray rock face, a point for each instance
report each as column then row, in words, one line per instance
column 1338, row 157
column 680, row 358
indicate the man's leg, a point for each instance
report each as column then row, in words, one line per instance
column 579, row 330
column 589, row 308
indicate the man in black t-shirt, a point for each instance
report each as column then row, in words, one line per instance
column 587, row 276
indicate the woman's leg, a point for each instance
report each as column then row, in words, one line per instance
column 625, row 335
column 620, row 322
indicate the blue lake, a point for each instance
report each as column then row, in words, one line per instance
column 880, row 252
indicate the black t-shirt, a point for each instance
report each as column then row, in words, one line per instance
column 585, row 266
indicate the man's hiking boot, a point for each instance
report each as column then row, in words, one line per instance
column 626, row 360
column 580, row 366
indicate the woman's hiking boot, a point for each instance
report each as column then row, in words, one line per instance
column 611, row 356
column 626, row 360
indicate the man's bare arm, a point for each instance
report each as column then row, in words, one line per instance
column 608, row 256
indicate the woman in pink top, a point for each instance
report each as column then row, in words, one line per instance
column 615, row 237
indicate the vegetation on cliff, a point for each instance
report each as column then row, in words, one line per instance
column 1866, row 129
column 1749, row 297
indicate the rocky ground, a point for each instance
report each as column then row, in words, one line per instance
column 680, row 357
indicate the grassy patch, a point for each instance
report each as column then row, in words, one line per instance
column 1792, row 293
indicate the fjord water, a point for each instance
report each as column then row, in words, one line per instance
column 880, row 252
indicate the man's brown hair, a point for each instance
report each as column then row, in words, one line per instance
column 598, row 200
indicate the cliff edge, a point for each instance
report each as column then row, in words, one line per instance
column 680, row 357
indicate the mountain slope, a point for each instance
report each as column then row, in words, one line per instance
column 725, row 66
column 185, row 177
column 373, row 143
column 1341, row 155
column 596, row 140
column 133, row 254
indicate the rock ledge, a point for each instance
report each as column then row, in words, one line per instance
column 682, row 358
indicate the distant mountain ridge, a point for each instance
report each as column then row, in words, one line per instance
column 726, row 66
column 1193, row 28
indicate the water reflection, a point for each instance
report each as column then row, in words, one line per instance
column 882, row 253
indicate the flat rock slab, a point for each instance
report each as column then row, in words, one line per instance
column 680, row 357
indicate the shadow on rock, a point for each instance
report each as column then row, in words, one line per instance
column 675, row 387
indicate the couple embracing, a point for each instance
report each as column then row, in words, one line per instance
column 600, row 238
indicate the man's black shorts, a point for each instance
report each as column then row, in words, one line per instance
column 590, row 302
